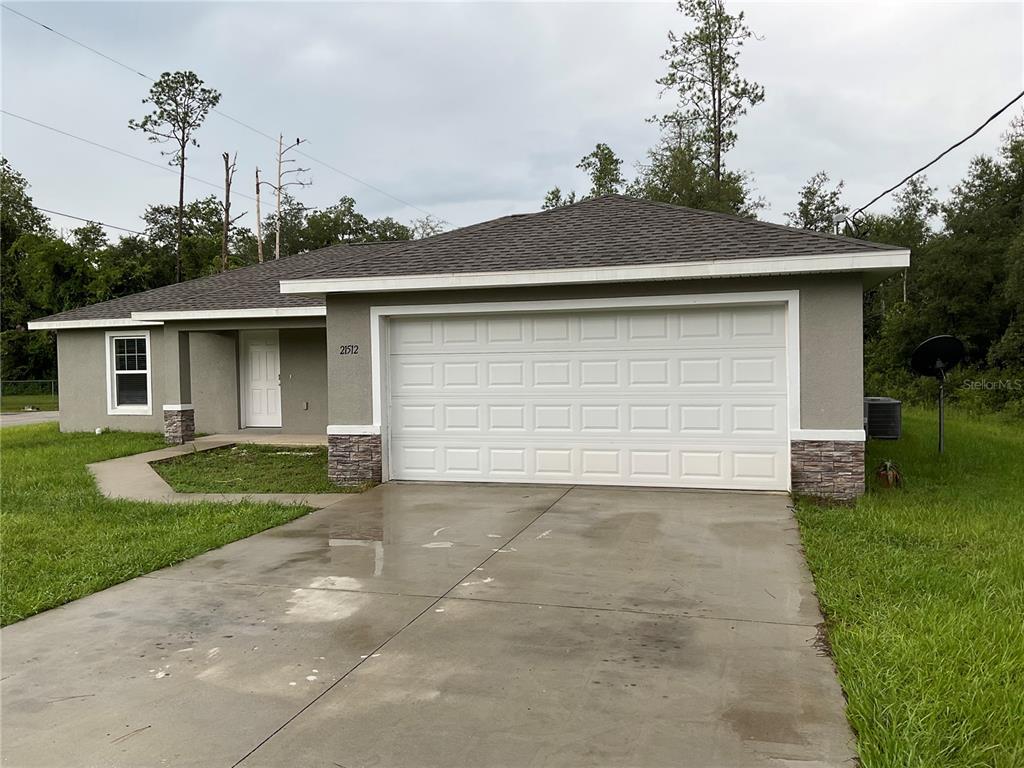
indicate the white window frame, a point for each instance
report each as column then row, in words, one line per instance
column 113, row 409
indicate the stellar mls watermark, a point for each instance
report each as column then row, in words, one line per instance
column 1004, row 385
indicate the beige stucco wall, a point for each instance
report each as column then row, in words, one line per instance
column 82, row 379
column 211, row 362
column 321, row 387
column 831, row 341
column 214, row 369
column 304, row 381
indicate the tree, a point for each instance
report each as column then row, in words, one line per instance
column 55, row 274
column 180, row 105
column 965, row 279
column 335, row 224
column 229, row 176
column 554, row 199
column 188, row 245
column 386, row 230
column 675, row 174
column 819, row 206
column 125, row 267
column 703, row 70
column 18, row 216
column 428, row 226
column 605, row 170
column 342, row 223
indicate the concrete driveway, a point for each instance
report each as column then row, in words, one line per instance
column 448, row 625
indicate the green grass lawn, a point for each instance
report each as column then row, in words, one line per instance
column 923, row 593
column 248, row 468
column 13, row 403
column 61, row 540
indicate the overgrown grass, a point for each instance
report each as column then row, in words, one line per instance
column 14, row 403
column 61, row 540
column 923, row 592
column 251, row 469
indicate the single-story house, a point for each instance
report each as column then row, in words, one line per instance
column 615, row 341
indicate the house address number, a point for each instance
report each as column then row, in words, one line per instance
column 348, row 349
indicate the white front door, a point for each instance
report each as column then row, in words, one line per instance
column 675, row 397
column 261, row 384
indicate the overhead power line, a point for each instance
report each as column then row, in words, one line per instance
column 939, row 156
column 90, row 221
column 221, row 113
column 116, row 151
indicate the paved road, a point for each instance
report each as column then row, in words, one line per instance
column 448, row 625
column 27, row 417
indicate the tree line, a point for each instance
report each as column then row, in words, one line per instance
column 967, row 251
column 43, row 271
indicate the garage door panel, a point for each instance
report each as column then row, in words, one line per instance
column 713, row 465
column 594, row 330
column 759, row 371
column 684, row 397
column 741, row 417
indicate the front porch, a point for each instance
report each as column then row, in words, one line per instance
column 258, row 382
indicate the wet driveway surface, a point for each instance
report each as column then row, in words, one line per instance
column 448, row 625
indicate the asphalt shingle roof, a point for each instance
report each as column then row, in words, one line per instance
column 611, row 230
column 606, row 231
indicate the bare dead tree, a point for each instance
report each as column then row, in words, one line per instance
column 259, row 218
column 229, row 175
column 281, row 184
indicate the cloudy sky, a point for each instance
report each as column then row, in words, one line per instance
column 473, row 110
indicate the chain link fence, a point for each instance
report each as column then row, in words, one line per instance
column 29, row 395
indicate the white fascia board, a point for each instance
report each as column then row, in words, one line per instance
column 110, row 322
column 230, row 314
column 829, row 435
column 852, row 262
column 353, row 429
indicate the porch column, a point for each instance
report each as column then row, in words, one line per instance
column 179, row 416
column 353, row 437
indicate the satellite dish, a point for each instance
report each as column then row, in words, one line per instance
column 935, row 357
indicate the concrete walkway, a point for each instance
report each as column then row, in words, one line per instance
column 132, row 477
column 438, row 625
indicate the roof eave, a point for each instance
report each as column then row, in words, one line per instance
column 159, row 317
column 46, row 324
column 886, row 262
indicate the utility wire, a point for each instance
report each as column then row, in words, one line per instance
column 117, row 151
column 223, row 114
column 90, row 221
column 938, row 157
column 77, row 42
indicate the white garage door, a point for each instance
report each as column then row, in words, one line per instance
column 676, row 397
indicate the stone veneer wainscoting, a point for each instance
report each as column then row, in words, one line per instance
column 829, row 469
column 179, row 426
column 353, row 459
